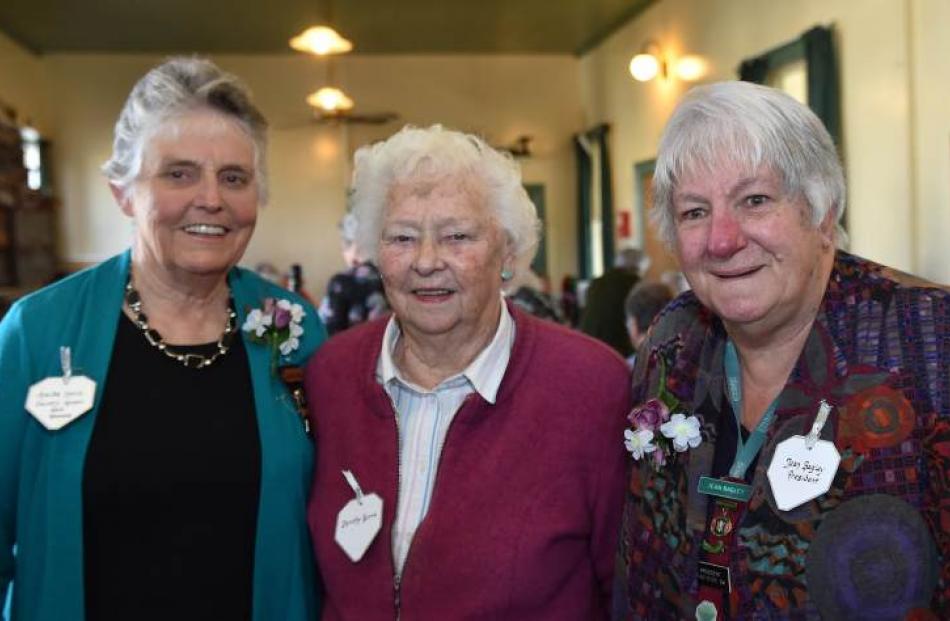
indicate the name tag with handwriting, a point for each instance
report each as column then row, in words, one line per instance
column 357, row 525
column 799, row 473
column 359, row 521
column 57, row 401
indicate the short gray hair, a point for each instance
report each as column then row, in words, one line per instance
column 180, row 85
column 748, row 125
column 629, row 258
column 434, row 153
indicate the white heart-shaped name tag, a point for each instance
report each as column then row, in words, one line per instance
column 357, row 525
column 799, row 474
column 56, row 401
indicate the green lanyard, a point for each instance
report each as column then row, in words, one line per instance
column 745, row 451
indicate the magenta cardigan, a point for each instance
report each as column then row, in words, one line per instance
column 526, row 509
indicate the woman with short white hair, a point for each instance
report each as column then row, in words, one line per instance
column 482, row 476
column 159, row 468
column 792, row 424
column 435, row 153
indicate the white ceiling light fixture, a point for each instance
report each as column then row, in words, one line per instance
column 321, row 41
column 324, row 41
column 330, row 100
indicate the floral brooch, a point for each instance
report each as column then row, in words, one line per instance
column 677, row 432
column 277, row 325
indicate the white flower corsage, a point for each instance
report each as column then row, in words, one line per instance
column 655, row 432
column 277, row 324
column 683, row 431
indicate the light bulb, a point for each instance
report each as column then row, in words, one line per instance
column 320, row 40
column 644, row 67
column 330, row 99
column 691, row 68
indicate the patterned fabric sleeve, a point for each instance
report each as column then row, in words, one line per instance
column 644, row 384
column 936, row 448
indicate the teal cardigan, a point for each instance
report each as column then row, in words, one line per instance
column 41, row 472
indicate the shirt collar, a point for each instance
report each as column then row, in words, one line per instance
column 484, row 373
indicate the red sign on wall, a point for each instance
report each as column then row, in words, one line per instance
column 623, row 224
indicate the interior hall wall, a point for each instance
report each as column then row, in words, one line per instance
column 930, row 82
column 500, row 97
column 893, row 63
column 22, row 83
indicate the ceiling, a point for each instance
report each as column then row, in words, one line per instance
column 256, row 27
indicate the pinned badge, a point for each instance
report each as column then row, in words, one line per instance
column 803, row 467
column 359, row 521
column 57, row 401
column 706, row 611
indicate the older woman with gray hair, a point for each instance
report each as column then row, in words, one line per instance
column 792, row 428
column 152, row 463
column 468, row 456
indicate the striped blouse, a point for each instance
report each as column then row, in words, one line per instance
column 424, row 417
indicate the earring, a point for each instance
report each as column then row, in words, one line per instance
column 507, row 274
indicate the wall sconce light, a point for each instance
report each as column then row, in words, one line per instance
column 648, row 63
column 691, row 67
column 651, row 62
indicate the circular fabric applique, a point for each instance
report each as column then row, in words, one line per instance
column 875, row 418
column 873, row 558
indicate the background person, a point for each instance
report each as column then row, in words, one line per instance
column 749, row 191
column 570, row 309
column 602, row 316
column 528, row 291
column 490, row 436
column 181, row 493
column 356, row 294
column 643, row 304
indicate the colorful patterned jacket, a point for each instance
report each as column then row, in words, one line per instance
column 877, row 545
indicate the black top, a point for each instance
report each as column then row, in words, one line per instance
column 603, row 316
column 353, row 296
column 171, row 487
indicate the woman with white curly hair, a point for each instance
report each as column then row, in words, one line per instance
column 482, row 476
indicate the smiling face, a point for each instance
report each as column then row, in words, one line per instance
column 748, row 249
column 195, row 200
column 441, row 254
